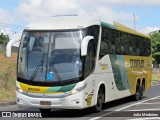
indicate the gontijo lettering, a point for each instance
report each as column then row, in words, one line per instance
column 136, row 63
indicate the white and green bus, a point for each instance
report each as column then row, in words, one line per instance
column 76, row 62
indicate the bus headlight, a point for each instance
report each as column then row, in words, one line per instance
column 75, row 91
column 20, row 90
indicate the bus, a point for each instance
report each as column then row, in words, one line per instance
column 76, row 62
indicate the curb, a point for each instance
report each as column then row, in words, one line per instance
column 7, row 103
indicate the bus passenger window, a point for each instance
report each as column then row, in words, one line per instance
column 130, row 50
column 89, row 59
column 122, row 50
column 113, row 48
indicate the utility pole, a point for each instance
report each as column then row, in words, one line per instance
column 134, row 18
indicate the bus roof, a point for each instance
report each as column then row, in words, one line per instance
column 64, row 22
column 76, row 22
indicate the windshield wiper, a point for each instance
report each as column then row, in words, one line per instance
column 58, row 76
column 37, row 68
column 40, row 66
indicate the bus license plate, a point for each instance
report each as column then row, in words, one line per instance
column 45, row 102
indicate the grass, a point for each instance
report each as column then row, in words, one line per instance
column 1, row 51
column 7, row 77
column 156, row 77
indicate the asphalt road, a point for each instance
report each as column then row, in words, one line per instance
column 123, row 109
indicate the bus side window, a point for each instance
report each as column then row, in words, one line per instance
column 113, row 48
column 89, row 59
column 130, row 50
column 122, row 50
column 91, row 50
column 105, row 47
column 147, row 47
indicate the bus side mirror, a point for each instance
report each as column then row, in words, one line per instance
column 9, row 46
column 84, row 45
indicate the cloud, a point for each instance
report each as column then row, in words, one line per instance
column 129, row 2
column 148, row 29
column 5, row 16
column 29, row 10
column 108, row 14
column 5, row 20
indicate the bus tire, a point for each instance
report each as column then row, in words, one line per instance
column 100, row 101
column 138, row 94
column 44, row 111
column 141, row 93
column 143, row 86
column 142, row 89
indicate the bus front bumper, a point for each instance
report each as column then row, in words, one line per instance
column 74, row 101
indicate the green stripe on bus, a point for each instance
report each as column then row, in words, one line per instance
column 61, row 88
column 53, row 89
column 116, row 72
column 66, row 88
column 108, row 25
column 123, row 71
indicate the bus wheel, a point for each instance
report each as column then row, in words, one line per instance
column 45, row 111
column 143, row 86
column 142, row 89
column 141, row 93
column 138, row 95
column 100, row 101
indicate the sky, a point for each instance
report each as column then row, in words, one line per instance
column 16, row 14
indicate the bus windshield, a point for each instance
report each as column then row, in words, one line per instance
column 50, row 56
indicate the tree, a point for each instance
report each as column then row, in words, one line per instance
column 155, row 39
column 4, row 38
column 157, row 57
